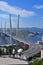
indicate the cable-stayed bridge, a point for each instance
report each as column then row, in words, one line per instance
column 33, row 48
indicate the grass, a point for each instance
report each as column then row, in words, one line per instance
column 37, row 62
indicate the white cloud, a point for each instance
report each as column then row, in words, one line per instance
column 38, row 6
column 4, row 16
column 4, row 6
column 7, row 16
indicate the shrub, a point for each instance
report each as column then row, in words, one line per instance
column 37, row 62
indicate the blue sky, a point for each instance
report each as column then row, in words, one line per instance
column 30, row 11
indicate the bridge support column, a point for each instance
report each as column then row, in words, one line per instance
column 17, row 30
column 1, row 30
column 10, row 31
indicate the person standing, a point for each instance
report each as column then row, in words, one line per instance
column 10, row 52
column 20, row 50
column 0, row 52
column 13, row 52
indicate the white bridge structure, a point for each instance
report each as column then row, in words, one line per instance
column 33, row 48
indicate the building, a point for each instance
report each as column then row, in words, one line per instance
column 42, row 53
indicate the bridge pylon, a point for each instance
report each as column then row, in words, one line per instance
column 10, row 30
column 17, row 30
column 1, row 29
column 5, row 26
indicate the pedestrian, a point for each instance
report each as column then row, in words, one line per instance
column 13, row 52
column 4, row 50
column 20, row 52
column 0, row 52
column 10, row 52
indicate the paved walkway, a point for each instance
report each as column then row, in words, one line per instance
column 11, row 61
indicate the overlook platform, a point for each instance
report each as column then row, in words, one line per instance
column 5, row 60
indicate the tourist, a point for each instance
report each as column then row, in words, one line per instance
column 0, row 52
column 4, row 50
column 13, row 52
column 10, row 52
column 20, row 52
